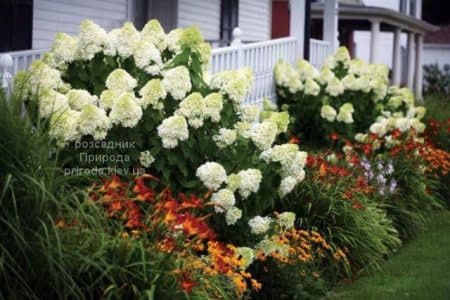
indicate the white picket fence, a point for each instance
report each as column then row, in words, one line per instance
column 261, row 57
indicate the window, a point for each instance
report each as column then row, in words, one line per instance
column 16, row 23
column 228, row 20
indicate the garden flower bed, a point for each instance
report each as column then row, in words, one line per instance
column 133, row 173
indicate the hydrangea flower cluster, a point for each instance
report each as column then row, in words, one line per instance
column 259, row 225
column 225, row 137
column 212, row 175
column 292, row 163
column 146, row 158
column 342, row 87
column 173, row 130
column 234, row 83
column 120, row 104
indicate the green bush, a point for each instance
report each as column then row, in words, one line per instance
column 345, row 98
column 436, row 80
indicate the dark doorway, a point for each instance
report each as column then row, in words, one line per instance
column 16, row 24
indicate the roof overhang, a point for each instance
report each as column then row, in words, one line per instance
column 383, row 15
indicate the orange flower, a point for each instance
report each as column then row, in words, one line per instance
column 256, row 285
column 143, row 192
column 294, row 140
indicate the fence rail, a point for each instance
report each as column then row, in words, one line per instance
column 261, row 57
column 23, row 59
column 318, row 52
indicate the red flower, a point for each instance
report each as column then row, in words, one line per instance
column 357, row 205
column 190, row 201
column 334, row 136
column 310, row 160
column 396, row 133
column 355, row 160
column 185, row 280
column 294, row 140
column 367, row 149
column 144, row 193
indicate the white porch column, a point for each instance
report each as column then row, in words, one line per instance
column 297, row 24
column 374, row 40
column 419, row 68
column 418, row 9
column 410, row 75
column 396, row 57
column 330, row 23
column 130, row 12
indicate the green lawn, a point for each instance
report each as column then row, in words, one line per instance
column 420, row 269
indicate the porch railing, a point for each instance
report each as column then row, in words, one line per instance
column 261, row 57
column 318, row 52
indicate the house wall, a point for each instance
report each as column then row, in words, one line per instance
column 203, row 13
column 52, row 16
column 436, row 53
column 254, row 19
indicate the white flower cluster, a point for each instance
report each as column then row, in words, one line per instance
column 146, row 158
column 79, row 98
column 225, row 137
column 212, row 175
column 263, row 134
column 64, row 48
column 345, row 113
column 280, row 118
column 119, row 80
column 390, row 121
column 64, row 127
column 42, row 77
column 92, row 39
column 286, row 219
column 192, row 108
column 86, row 118
column 126, row 110
column 224, row 200
column 51, row 102
column 233, row 215
column 155, row 33
column 173, row 130
column 286, row 76
column 259, row 225
column 153, row 93
column 177, row 82
column 250, row 180
column 271, row 245
column 234, row 83
column 213, row 106
column 94, row 121
column 342, row 56
column 328, row 112
column 250, row 113
column 292, row 165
